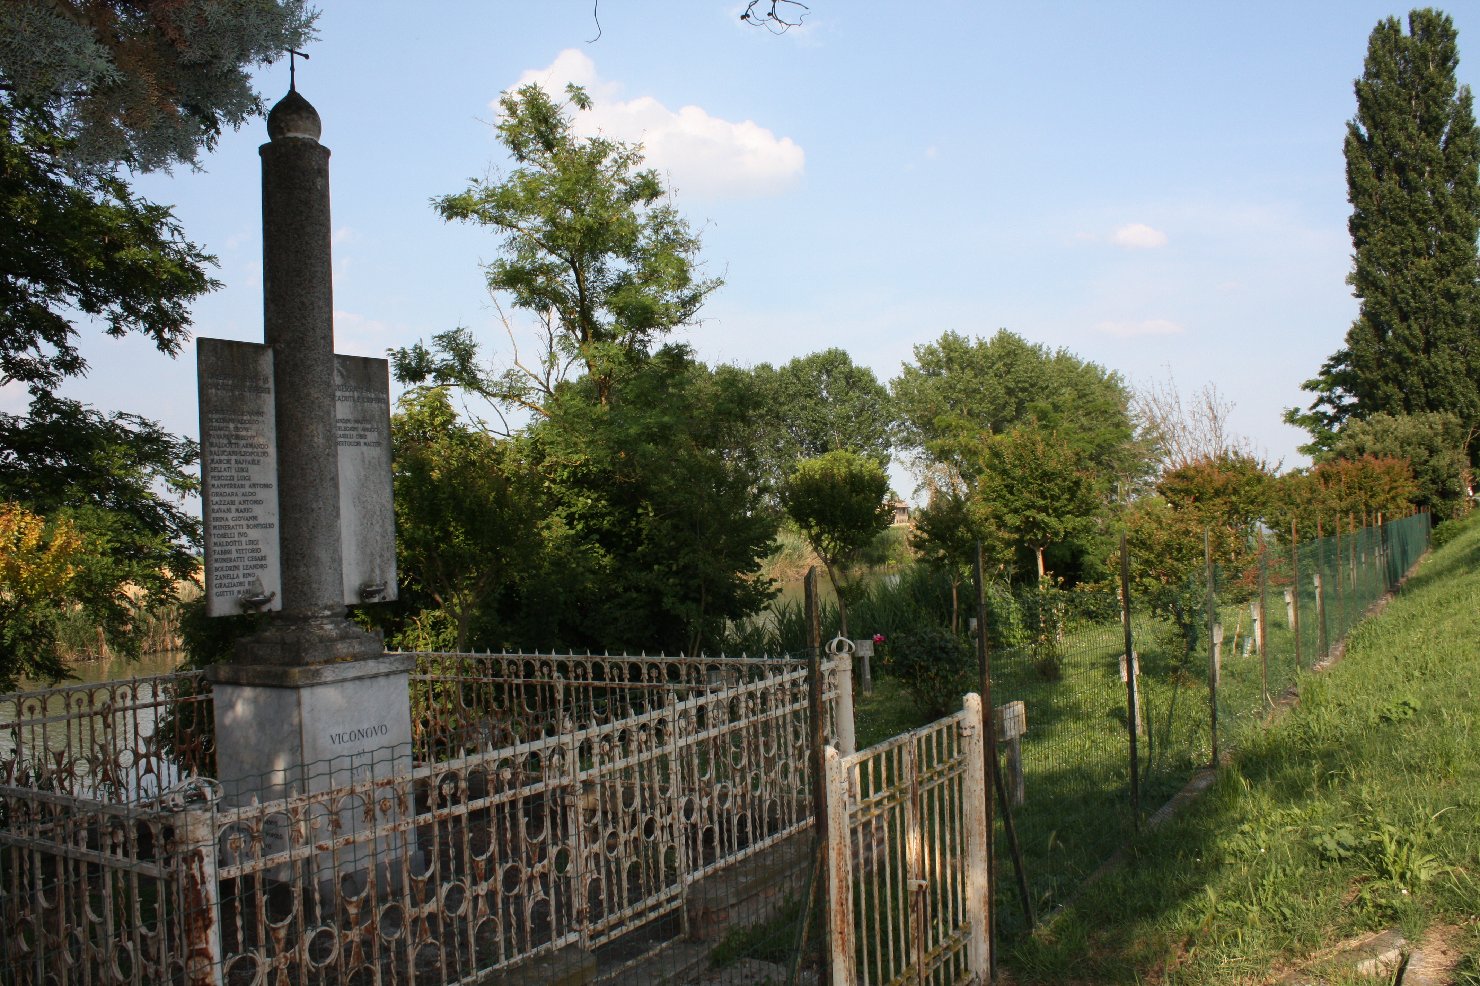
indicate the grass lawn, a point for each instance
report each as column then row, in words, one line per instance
column 1358, row 810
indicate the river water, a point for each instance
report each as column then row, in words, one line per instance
column 67, row 725
column 118, row 669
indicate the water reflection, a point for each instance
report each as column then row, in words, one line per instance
column 116, row 669
column 99, row 735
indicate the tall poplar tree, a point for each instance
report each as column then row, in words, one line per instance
column 1413, row 179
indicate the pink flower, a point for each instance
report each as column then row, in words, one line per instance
column 878, row 638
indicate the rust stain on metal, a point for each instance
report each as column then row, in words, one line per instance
column 593, row 790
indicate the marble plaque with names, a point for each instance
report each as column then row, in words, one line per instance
column 367, row 526
column 238, row 454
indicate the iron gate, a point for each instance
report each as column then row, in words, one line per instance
column 907, row 859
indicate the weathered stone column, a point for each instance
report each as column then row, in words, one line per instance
column 311, row 702
column 298, row 320
column 298, row 313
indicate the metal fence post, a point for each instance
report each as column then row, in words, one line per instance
column 1133, row 712
column 1212, row 644
column 1263, row 626
column 1295, row 590
column 676, row 785
column 818, row 752
column 989, row 777
column 576, row 825
column 976, row 836
column 200, row 903
column 840, row 952
column 1322, row 641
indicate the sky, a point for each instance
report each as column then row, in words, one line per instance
column 1157, row 187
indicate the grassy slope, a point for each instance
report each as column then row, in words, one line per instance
column 1359, row 809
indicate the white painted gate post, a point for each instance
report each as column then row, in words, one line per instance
column 195, row 852
column 843, row 704
column 974, row 792
column 839, row 873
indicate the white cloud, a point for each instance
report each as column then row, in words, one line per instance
column 1149, row 327
column 356, row 335
column 705, row 155
column 344, row 235
column 1138, row 236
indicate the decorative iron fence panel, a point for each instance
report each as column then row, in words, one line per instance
column 632, row 779
column 113, row 742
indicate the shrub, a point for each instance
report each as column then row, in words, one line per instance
column 934, row 665
column 1451, row 529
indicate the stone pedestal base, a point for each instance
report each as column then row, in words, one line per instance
column 290, row 732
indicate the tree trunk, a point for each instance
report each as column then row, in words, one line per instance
column 955, row 605
column 839, row 590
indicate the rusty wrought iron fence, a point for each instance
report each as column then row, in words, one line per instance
column 907, row 859
column 562, row 813
column 114, row 742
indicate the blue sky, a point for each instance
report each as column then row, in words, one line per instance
column 1155, row 186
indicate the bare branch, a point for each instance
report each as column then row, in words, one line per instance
column 776, row 16
column 1188, row 432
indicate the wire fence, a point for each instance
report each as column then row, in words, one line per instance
column 1208, row 663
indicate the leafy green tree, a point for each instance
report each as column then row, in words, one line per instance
column 1036, row 489
column 117, row 480
column 1228, row 493
column 82, row 246
column 464, row 519
column 654, row 508
column 1413, row 178
column 1221, row 498
column 1167, row 564
column 839, row 500
column 821, row 403
column 960, row 390
column 38, row 575
column 1434, row 443
column 650, row 522
column 1349, row 493
column 945, row 534
column 590, row 250
column 86, row 89
column 143, row 82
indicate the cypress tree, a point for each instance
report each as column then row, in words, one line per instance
column 1413, row 179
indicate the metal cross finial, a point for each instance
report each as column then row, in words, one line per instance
column 292, row 69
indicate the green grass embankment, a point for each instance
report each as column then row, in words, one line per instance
column 1358, row 809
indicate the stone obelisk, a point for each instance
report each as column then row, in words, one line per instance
column 311, row 701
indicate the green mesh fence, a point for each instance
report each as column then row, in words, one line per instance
column 1306, row 599
column 1272, row 618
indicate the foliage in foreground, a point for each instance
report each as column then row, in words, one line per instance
column 1359, row 810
